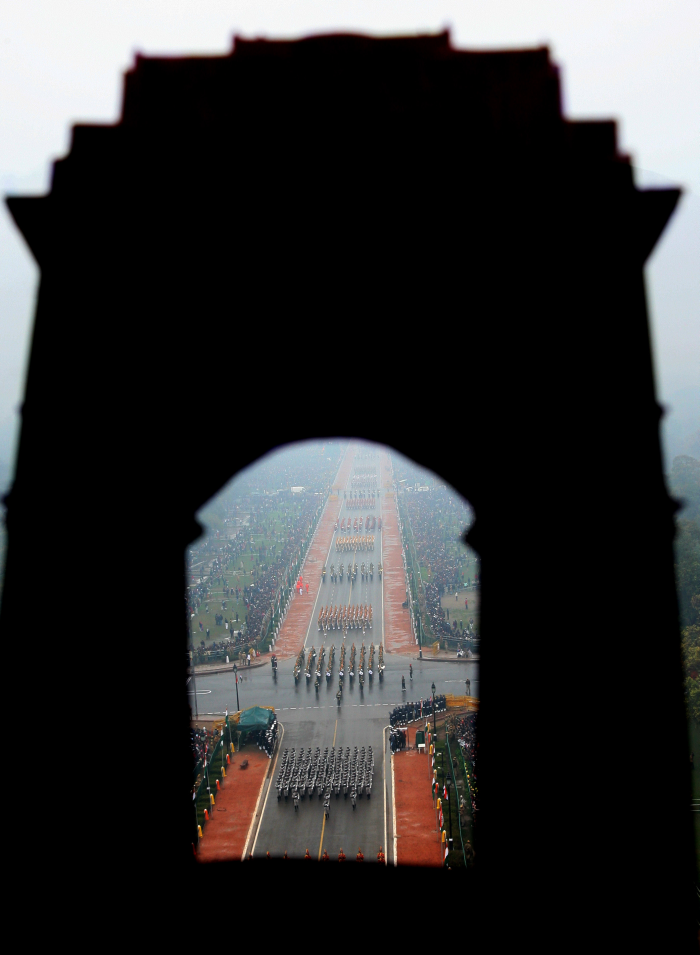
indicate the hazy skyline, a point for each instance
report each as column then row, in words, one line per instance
column 63, row 62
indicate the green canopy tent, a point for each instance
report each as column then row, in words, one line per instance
column 252, row 720
column 255, row 718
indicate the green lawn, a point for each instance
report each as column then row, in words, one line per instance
column 238, row 578
column 451, row 807
column 244, row 571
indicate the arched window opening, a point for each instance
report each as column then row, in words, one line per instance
column 333, row 615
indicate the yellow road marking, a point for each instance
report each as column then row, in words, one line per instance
column 323, row 827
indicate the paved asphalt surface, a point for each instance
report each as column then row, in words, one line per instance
column 311, row 719
column 314, row 721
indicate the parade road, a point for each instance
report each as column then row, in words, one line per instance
column 310, row 720
column 310, row 716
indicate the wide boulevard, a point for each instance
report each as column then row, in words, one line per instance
column 312, row 718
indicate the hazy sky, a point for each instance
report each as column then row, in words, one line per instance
column 633, row 60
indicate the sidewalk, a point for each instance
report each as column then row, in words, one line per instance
column 398, row 631
column 203, row 669
column 415, row 823
column 445, row 656
column 227, row 830
column 296, row 624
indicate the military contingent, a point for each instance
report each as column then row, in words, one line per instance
column 328, row 773
column 298, row 665
column 354, row 617
column 360, row 503
column 354, row 543
column 358, row 524
column 364, row 479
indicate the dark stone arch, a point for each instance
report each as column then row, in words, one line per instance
column 380, row 198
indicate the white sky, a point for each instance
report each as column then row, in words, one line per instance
column 638, row 61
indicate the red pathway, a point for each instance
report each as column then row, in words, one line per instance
column 398, row 633
column 296, row 624
column 415, row 822
column 225, row 834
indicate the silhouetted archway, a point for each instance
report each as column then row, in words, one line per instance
column 343, row 198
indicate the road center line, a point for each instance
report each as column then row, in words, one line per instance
column 323, row 827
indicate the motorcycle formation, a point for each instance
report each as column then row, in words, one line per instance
column 354, row 617
column 328, row 773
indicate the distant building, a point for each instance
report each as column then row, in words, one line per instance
column 297, row 490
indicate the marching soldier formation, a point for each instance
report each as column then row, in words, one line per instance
column 361, row 504
column 341, row 771
column 358, row 524
column 354, row 617
column 365, row 542
column 298, row 665
column 365, row 480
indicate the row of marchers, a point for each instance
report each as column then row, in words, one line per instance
column 335, row 772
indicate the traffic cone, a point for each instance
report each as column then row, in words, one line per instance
column 228, row 759
column 206, row 815
column 218, row 787
column 199, row 830
column 223, row 771
column 211, row 799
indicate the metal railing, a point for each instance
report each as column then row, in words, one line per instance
column 456, row 793
column 417, row 587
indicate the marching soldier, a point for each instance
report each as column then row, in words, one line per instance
column 359, row 857
column 307, row 854
column 325, row 857
column 380, row 856
column 341, row 855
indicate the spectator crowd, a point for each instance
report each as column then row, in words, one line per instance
column 466, row 733
column 272, row 552
column 437, row 519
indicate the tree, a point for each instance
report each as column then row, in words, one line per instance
column 684, row 484
column 687, row 568
column 690, row 648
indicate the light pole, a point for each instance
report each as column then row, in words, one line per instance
column 190, row 656
column 434, row 724
column 235, row 673
column 449, row 808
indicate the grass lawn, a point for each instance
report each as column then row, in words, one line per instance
column 239, row 578
column 241, row 572
column 456, row 608
column 450, row 808
column 203, row 801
